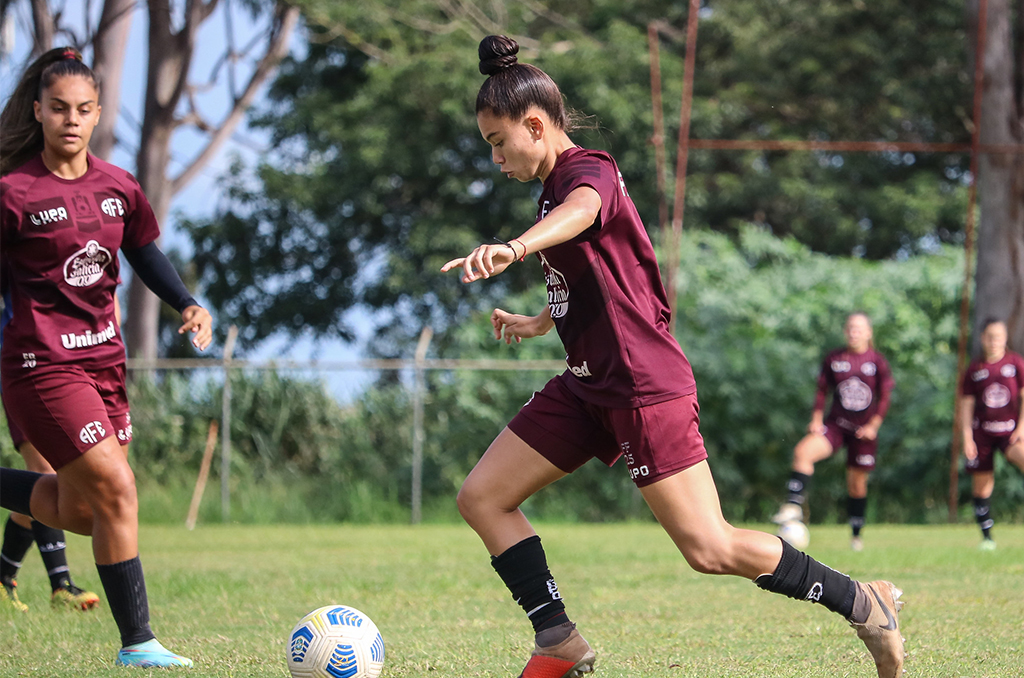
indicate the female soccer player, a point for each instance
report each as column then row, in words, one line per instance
column 860, row 377
column 628, row 391
column 991, row 409
column 63, row 216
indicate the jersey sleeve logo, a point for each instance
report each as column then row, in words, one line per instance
column 85, row 267
column 854, row 395
column 995, row 396
column 558, row 290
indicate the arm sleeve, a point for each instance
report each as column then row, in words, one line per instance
column 885, row 386
column 156, row 271
column 819, row 396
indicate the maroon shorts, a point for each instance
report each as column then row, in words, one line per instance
column 17, row 437
column 656, row 440
column 987, row 444
column 64, row 411
column 860, row 453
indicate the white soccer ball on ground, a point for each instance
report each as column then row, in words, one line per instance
column 795, row 533
column 335, row 641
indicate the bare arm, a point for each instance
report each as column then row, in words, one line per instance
column 510, row 326
column 966, row 426
column 578, row 213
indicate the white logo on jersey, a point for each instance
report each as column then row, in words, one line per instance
column 995, row 396
column 581, row 371
column 998, row 427
column 112, row 207
column 85, row 267
column 1008, row 371
column 49, row 216
column 854, row 395
column 90, row 338
column 93, row 432
column 979, row 375
column 622, row 185
column 840, row 366
column 558, row 290
column 544, row 210
column 869, row 369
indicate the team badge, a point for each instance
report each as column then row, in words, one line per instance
column 995, row 396
column 869, row 369
column 85, row 267
column 1008, row 371
column 854, row 395
column 558, row 290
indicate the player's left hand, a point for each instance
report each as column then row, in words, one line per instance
column 866, row 432
column 199, row 322
column 1017, row 436
column 483, row 262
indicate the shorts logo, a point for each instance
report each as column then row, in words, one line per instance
column 864, row 460
column 112, row 207
column 854, row 395
column 996, row 396
column 816, row 591
column 85, row 267
column 841, row 365
column 869, row 369
column 92, row 433
column 125, row 434
column 558, row 290
column 1008, row 371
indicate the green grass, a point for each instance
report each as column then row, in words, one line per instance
column 228, row 597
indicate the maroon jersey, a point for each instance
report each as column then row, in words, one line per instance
column 60, row 240
column 606, row 296
column 996, row 389
column 861, row 383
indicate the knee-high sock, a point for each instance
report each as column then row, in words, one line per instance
column 17, row 541
column 125, row 587
column 524, row 569
column 799, row 576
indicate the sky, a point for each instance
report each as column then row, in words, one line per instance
column 201, row 196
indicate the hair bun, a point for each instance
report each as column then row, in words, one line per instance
column 497, row 52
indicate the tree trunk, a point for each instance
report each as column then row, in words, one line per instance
column 109, row 45
column 999, row 281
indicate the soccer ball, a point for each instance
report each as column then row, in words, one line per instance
column 795, row 533
column 335, row 642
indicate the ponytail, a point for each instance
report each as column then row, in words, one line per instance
column 21, row 135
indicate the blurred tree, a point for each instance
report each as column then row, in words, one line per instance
column 379, row 174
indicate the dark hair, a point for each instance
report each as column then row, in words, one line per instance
column 991, row 320
column 21, row 135
column 512, row 88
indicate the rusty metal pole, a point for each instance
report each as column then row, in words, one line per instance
column 965, row 296
column 682, row 157
column 658, row 138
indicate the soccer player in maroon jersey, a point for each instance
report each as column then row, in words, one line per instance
column 628, row 390
column 991, row 411
column 861, row 382
column 64, row 214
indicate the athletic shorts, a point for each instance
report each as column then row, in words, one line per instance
column 64, row 411
column 657, row 440
column 987, row 444
column 860, row 453
column 17, row 437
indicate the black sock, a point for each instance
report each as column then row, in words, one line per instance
column 804, row 578
column 126, row 594
column 16, row 489
column 855, row 509
column 524, row 569
column 796, row 486
column 17, row 541
column 982, row 515
column 51, row 547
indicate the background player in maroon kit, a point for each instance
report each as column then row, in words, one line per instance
column 629, row 390
column 64, row 215
column 861, row 382
column 991, row 410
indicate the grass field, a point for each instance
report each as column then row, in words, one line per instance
column 228, row 597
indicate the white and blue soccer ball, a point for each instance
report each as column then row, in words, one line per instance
column 335, row 641
column 795, row 533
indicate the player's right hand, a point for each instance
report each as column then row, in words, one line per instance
column 970, row 449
